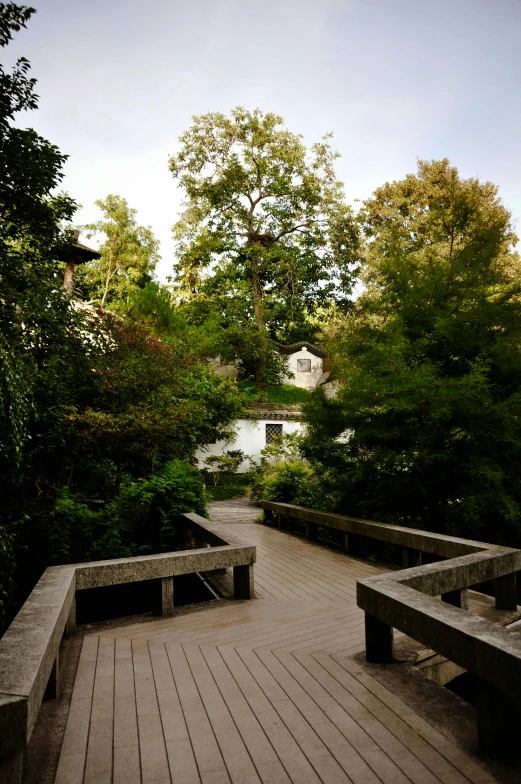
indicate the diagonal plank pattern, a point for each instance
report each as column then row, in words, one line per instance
column 260, row 691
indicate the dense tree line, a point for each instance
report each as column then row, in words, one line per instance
column 426, row 427
column 99, row 418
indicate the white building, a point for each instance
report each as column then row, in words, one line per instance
column 253, row 433
column 305, row 370
column 305, row 365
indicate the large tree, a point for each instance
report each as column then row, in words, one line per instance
column 426, row 426
column 31, row 306
column 129, row 254
column 266, row 236
column 32, row 309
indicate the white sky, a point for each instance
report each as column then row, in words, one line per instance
column 119, row 81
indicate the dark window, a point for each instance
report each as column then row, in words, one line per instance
column 273, row 431
column 304, row 365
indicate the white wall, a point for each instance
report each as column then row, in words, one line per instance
column 251, row 438
column 226, row 371
column 304, row 379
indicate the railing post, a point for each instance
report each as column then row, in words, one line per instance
column 378, row 640
column 459, row 598
column 243, row 582
column 11, row 768
column 70, row 626
column 52, row 689
column 346, row 543
column 499, row 722
column 13, row 738
column 167, row 596
column 506, row 592
column 312, row 531
column 411, row 557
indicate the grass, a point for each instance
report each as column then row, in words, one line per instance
column 284, row 394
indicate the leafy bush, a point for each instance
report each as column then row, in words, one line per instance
column 149, row 506
column 141, row 519
column 217, row 465
column 284, row 475
column 283, row 481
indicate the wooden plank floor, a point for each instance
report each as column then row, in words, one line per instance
column 260, row 691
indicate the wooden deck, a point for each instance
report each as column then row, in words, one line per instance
column 260, row 691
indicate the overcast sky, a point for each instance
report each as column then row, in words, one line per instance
column 119, row 80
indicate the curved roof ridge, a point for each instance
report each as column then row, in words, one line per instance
column 291, row 348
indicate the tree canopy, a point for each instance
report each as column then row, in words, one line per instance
column 129, row 255
column 266, row 236
column 425, row 428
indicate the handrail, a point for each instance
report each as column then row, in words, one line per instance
column 405, row 600
column 30, row 646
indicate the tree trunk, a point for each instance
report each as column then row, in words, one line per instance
column 68, row 278
column 261, row 366
column 107, row 281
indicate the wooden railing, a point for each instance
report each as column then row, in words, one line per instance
column 29, row 649
column 406, row 600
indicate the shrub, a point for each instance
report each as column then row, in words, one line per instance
column 147, row 508
column 283, row 481
column 228, row 463
column 285, row 475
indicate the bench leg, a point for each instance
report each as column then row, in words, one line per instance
column 11, row 768
column 70, row 626
column 378, row 640
column 53, row 684
column 243, row 582
column 167, row 596
column 411, row 557
column 312, row 531
column 506, row 592
column 499, row 722
column 458, row 598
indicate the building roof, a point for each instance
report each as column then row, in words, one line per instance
column 77, row 253
column 292, row 348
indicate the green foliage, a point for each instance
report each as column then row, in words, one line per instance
column 425, row 429
column 148, row 507
column 283, row 481
column 285, row 394
column 228, row 463
column 113, row 406
column 155, row 307
column 139, row 520
column 33, row 312
column 284, row 475
column 265, row 238
column 31, row 306
column 128, row 255
column 230, row 486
